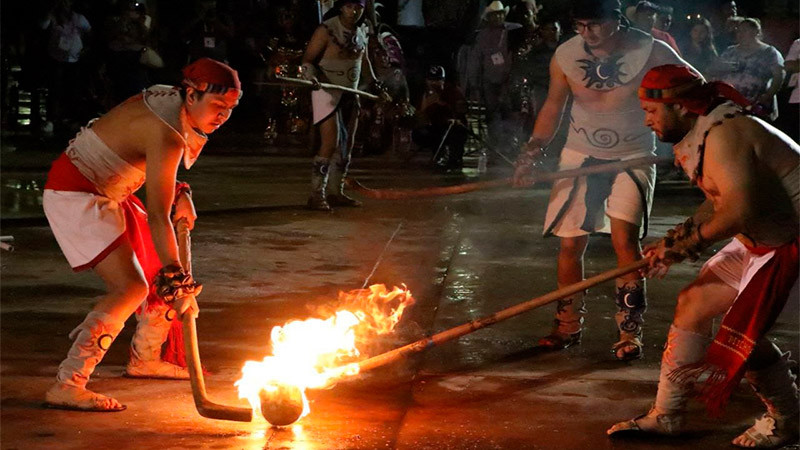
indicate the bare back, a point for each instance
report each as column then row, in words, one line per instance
column 751, row 174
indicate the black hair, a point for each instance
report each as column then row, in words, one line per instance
column 596, row 9
column 337, row 9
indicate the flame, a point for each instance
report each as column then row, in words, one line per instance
column 316, row 353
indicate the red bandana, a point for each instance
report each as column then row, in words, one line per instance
column 212, row 76
column 679, row 84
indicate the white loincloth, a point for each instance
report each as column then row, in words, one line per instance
column 86, row 224
column 342, row 72
column 735, row 265
column 625, row 201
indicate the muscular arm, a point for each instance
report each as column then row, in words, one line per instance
column 729, row 170
column 163, row 156
column 550, row 116
column 316, row 46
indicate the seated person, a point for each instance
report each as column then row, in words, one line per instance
column 441, row 121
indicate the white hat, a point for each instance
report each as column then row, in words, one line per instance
column 495, row 6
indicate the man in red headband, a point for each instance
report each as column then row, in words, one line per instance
column 100, row 225
column 600, row 69
column 750, row 174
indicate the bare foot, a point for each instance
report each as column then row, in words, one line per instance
column 65, row 396
column 768, row 433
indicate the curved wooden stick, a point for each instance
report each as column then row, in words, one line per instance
column 461, row 330
column 204, row 406
column 335, row 87
column 399, row 194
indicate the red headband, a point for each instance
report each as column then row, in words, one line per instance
column 680, row 84
column 212, row 76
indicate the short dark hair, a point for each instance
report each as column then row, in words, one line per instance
column 596, row 9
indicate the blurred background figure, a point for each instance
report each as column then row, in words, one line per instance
column 441, row 120
column 789, row 119
column 644, row 18
column 209, row 34
column 387, row 125
column 724, row 20
column 491, row 68
column 699, row 50
column 530, row 74
column 127, row 36
column 664, row 18
column 753, row 67
column 68, row 33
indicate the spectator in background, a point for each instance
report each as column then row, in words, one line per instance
column 491, row 68
column 753, row 67
column 790, row 114
column 441, row 119
column 67, row 30
column 664, row 19
column 644, row 18
column 127, row 34
column 699, row 51
column 208, row 35
column 725, row 20
column 530, row 73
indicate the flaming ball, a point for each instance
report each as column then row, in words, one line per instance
column 282, row 406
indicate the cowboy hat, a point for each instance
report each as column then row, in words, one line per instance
column 494, row 7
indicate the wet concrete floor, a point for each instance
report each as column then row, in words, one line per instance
column 264, row 260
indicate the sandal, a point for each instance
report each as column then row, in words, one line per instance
column 768, row 432
column 628, row 348
column 560, row 341
column 63, row 396
column 652, row 423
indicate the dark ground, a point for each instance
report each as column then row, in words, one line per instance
column 264, row 260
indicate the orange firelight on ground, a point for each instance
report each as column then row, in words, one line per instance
column 318, row 352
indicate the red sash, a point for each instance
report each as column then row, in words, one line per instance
column 64, row 176
column 751, row 316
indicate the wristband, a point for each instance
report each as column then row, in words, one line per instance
column 172, row 283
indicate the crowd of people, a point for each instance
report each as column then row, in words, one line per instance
column 620, row 79
column 106, row 54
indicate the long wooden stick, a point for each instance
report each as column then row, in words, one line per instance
column 398, row 194
column 461, row 330
column 335, row 87
column 204, row 406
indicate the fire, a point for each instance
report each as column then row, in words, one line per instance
column 318, row 352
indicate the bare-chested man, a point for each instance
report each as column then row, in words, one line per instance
column 601, row 68
column 336, row 54
column 750, row 174
column 99, row 224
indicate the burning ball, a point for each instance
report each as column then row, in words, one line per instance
column 282, row 406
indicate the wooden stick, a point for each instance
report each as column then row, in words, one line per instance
column 204, row 406
column 398, row 194
column 461, row 330
column 335, row 87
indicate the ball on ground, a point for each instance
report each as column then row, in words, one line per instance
column 283, row 406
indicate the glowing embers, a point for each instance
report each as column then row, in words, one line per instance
column 316, row 353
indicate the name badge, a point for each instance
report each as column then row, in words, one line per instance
column 209, row 42
column 497, row 59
